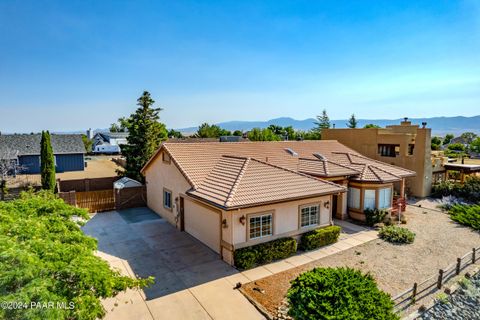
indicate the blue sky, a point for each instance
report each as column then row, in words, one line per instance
column 70, row 65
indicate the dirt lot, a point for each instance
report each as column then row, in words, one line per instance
column 97, row 167
column 438, row 243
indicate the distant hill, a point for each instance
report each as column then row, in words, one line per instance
column 440, row 125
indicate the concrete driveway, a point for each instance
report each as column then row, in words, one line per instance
column 191, row 282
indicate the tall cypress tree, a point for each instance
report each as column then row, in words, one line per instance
column 145, row 133
column 47, row 165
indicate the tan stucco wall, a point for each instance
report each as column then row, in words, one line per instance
column 161, row 175
column 366, row 141
column 285, row 220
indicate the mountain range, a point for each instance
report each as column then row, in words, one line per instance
column 440, row 125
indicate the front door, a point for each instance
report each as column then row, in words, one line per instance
column 182, row 214
column 334, row 206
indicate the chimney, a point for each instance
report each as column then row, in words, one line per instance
column 424, row 125
column 90, row 133
column 333, row 126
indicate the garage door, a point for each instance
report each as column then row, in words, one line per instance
column 203, row 224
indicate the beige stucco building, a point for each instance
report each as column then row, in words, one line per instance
column 404, row 145
column 236, row 194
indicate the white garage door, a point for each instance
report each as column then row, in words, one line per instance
column 203, row 224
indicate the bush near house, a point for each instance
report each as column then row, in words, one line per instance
column 338, row 293
column 373, row 216
column 246, row 258
column 45, row 257
column 469, row 190
column 319, row 238
column 396, row 234
column 468, row 215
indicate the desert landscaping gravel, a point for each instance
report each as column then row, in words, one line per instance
column 438, row 243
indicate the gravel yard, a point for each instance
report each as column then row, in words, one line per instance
column 439, row 241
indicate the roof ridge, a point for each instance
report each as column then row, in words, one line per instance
column 390, row 173
column 373, row 160
column 299, row 173
column 232, row 191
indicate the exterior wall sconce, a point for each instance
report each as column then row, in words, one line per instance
column 326, row 204
column 224, row 223
column 242, row 220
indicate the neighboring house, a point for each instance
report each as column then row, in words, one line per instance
column 68, row 150
column 109, row 142
column 405, row 145
column 233, row 195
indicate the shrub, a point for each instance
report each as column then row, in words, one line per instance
column 373, row 216
column 468, row 215
column 319, row 237
column 45, row 257
column 338, row 293
column 470, row 190
column 396, row 234
column 246, row 258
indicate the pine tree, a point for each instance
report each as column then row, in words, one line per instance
column 352, row 122
column 145, row 133
column 323, row 122
column 47, row 165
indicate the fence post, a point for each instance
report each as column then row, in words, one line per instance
column 473, row 255
column 459, row 263
column 440, row 279
column 414, row 293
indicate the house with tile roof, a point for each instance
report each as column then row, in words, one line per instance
column 237, row 194
column 24, row 149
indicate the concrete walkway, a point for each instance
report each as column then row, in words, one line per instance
column 352, row 235
column 191, row 282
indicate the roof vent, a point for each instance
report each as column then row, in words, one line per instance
column 293, row 153
column 320, row 156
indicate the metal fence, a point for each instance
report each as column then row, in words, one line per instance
column 435, row 282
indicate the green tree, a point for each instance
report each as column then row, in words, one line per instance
column 370, row 125
column 237, row 133
column 206, row 130
column 323, row 122
column 257, row 134
column 47, row 163
column 338, row 293
column 468, row 137
column 289, row 133
column 352, row 122
column 475, row 145
column 87, row 143
column 448, row 138
column 120, row 126
column 46, row 257
column 436, row 143
column 174, row 134
column 307, row 135
column 146, row 134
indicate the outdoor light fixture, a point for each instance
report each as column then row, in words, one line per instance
column 327, row 204
column 224, row 223
column 242, row 220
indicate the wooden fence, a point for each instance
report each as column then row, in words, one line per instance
column 435, row 282
column 96, row 201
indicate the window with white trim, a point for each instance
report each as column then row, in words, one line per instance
column 384, row 198
column 167, row 199
column 369, row 199
column 309, row 215
column 354, row 198
column 260, row 226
